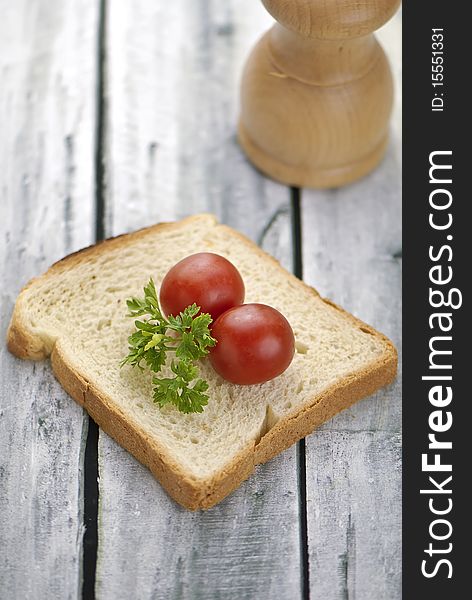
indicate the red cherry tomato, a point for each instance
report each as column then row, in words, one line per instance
column 206, row 279
column 255, row 344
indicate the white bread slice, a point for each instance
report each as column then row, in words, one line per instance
column 76, row 312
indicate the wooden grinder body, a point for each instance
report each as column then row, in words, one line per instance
column 317, row 92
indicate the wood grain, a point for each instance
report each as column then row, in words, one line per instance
column 332, row 19
column 316, row 103
column 352, row 254
column 172, row 76
column 47, row 67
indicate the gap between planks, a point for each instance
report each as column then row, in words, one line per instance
column 91, row 472
column 295, row 198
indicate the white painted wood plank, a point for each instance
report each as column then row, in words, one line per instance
column 352, row 254
column 47, row 70
column 173, row 81
column 354, row 515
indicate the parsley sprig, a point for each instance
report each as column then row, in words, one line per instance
column 187, row 335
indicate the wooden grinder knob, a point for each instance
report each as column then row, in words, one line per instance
column 317, row 92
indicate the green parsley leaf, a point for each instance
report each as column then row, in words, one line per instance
column 177, row 390
column 201, row 333
column 188, row 349
column 190, row 340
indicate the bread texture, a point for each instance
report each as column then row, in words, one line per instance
column 76, row 313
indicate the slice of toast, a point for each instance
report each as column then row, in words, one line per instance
column 76, row 312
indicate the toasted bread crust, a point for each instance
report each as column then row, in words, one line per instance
column 188, row 491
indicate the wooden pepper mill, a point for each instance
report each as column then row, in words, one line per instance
column 317, row 92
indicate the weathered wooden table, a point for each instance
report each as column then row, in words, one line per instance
column 115, row 115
